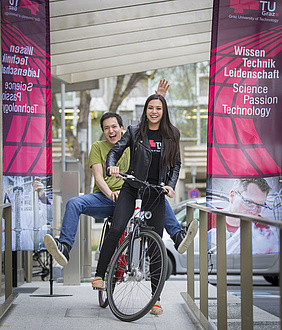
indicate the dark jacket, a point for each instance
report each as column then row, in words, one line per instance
column 141, row 157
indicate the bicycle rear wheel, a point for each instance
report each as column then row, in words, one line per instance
column 132, row 295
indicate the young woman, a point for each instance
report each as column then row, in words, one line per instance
column 154, row 157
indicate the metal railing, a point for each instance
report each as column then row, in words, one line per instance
column 9, row 296
column 246, row 264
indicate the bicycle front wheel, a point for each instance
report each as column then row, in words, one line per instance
column 103, row 298
column 132, row 294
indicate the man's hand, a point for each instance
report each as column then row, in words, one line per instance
column 114, row 171
column 114, row 196
column 171, row 192
column 39, row 187
column 163, row 87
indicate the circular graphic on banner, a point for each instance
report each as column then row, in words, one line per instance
column 194, row 193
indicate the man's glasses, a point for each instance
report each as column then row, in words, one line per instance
column 250, row 205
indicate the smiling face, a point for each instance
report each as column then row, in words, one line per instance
column 111, row 130
column 154, row 114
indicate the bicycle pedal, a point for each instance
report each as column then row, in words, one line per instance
column 100, row 289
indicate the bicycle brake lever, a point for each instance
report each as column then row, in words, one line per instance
column 126, row 176
column 130, row 177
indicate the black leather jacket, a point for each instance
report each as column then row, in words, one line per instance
column 141, row 157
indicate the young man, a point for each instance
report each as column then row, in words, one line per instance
column 100, row 204
column 248, row 196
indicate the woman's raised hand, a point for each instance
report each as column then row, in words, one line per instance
column 162, row 87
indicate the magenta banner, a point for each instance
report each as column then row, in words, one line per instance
column 245, row 115
column 27, row 117
column 26, row 84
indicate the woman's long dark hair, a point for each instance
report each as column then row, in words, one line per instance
column 170, row 134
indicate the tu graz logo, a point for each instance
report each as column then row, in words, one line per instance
column 267, row 8
column 32, row 5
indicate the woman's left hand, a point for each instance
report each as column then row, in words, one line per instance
column 171, row 192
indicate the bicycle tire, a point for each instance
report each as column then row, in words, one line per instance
column 103, row 298
column 130, row 296
column 102, row 294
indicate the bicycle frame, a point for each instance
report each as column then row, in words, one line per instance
column 138, row 268
column 137, row 219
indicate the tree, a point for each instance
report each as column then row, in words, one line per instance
column 125, row 84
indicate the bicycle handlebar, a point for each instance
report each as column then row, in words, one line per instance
column 131, row 177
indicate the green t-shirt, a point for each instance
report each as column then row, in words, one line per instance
column 98, row 155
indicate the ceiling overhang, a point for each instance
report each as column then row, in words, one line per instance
column 93, row 39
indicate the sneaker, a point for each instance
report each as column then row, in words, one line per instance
column 183, row 240
column 59, row 251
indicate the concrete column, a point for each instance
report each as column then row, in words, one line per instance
column 85, row 247
column 72, row 269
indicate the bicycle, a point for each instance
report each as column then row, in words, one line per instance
column 138, row 268
column 41, row 260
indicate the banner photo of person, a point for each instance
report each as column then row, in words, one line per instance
column 32, row 213
column 250, row 196
column 245, row 115
column 27, row 118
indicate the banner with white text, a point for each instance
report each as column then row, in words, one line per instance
column 245, row 119
column 27, row 119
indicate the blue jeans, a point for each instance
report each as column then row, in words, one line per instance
column 98, row 206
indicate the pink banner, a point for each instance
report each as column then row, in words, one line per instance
column 245, row 116
column 26, row 87
column 244, row 128
column 27, row 119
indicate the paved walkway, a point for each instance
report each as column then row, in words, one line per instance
column 80, row 310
